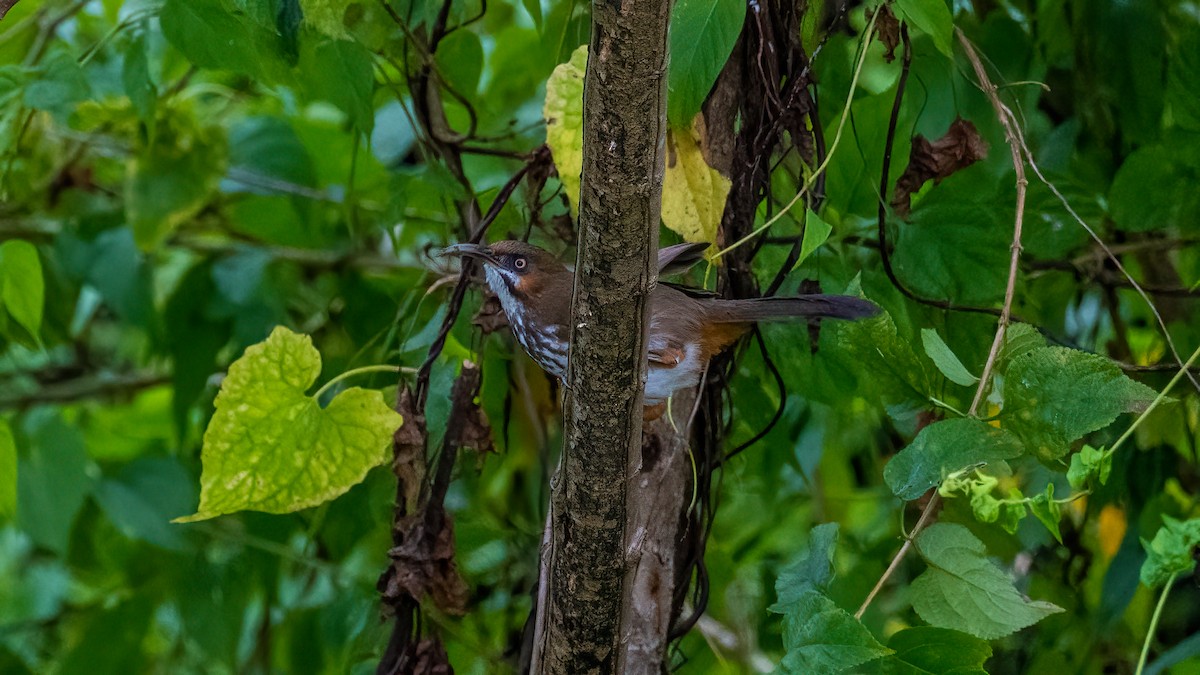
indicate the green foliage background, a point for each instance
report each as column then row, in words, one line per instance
column 179, row 178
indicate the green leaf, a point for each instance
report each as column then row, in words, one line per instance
column 58, row 84
column 816, row 232
column 926, row 650
column 8, row 472
column 171, row 180
column 340, row 72
column 135, row 76
column 270, row 146
column 22, row 289
column 563, row 112
column 963, row 590
column 693, row 193
column 327, row 16
column 820, row 637
column 1183, row 80
column 1012, row 511
column 534, row 7
column 212, row 36
column 1172, row 551
column 703, row 33
column 1086, row 463
column 933, row 18
column 954, row 249
column 874, row 346
column 945, row 360
column 945, row 447
column 144, row 496
column 1047, row 510
column 1019, row 338
column 1055, row 395
column 1150, row 191
column 460, row 61
column 270, row 447
column 35, row 585
column 811, row 571
column 53, row 480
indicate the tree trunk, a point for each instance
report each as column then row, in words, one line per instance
column 624, row 126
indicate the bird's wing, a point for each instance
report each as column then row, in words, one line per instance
column 679, row 258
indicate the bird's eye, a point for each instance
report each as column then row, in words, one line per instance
column 519, row 263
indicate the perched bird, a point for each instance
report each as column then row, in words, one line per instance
column 687, row 326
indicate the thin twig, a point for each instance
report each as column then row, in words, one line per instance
column 1012, row 136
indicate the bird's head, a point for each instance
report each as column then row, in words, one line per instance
column 514, row 269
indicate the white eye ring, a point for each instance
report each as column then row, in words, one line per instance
column 519, row 264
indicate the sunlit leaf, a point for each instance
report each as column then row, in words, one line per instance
column 1172, row 551
column 563, row 112
column 693, row 193
column 22, row 289
column 1046, row 510
column 8, row 472
column 963, row 590
column 271, row 447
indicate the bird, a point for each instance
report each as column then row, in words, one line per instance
column 688, row 326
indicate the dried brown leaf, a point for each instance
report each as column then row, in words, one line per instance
column 469, row 427
column 490, row 317
column 887, row 31
column 959, row 148
column 423, row 565
column 430, row 658
column 408, row 449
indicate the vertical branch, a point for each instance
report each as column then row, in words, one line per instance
column 624, row 124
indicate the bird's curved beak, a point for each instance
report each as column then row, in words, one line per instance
column 478, row 251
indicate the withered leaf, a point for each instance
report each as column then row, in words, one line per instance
column 429, row 658
column 408, row 449
column 887, row 31
column 469, row 427
column 423, row 565
column 490, row 317
column 959, row 148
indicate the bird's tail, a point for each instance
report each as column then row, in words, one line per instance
column 804, row 306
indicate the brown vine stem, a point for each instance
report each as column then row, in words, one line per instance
column 1012, row 135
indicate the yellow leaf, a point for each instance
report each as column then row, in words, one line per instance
column 694, row 193
column 563, row 111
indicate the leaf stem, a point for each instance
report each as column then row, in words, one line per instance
column 1162, row 600
column 359, row 371
column 1162, row 396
